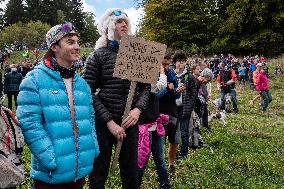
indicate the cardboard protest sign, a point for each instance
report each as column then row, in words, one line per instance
column 139, row 60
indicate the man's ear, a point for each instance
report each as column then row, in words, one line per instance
column 53, row 47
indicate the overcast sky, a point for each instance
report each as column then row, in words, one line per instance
column 98, row 7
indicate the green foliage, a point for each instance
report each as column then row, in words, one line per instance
column 11, row 33
column 90, row 32
column 215, row 26
column 265, row 39
column 52, row 13
column 36, row 32
column 77, row 15
column 60, row 16
column 47, row 11
column 65, row 10
column 32, row 33
column 14, row 6
column 176, row 23
column 256, row 24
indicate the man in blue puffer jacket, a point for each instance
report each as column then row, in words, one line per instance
column 56, row 115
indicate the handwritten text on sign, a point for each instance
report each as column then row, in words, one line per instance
column 139, row 60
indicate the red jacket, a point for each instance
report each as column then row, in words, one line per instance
column 261, row 81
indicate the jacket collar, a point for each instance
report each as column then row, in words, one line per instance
column 47, row 68
column 66, row 73
column 113, row 45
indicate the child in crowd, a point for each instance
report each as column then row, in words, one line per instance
column 151, row 135
column 262, row 88
column 242, row 74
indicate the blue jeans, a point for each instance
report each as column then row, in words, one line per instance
column 157, row 149
column 266, row 99
column 234, row 99
column 184, row 128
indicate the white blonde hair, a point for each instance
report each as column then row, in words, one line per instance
column 106, row 26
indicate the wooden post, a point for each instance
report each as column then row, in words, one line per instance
column 126, row 112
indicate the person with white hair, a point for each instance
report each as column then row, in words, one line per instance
column 110, row 96
column 205, row 77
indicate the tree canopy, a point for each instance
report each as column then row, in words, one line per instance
column 197, row 26
column 51, row 12
column 215, row 26
column 32, row 33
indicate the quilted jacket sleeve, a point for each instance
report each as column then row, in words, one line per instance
column 92, row 74
column 190, row 96
column 143, row 96
column 29, row 113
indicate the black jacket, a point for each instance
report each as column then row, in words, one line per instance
column 151, row 112
column 225, row 76
column 12, row 81
column 110, row 100
column 190, row 96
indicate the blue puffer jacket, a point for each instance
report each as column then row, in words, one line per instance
column 45, row 119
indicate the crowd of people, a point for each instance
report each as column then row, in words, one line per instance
column 71, row 123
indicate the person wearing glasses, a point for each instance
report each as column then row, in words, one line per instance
column 56, row 115
column 110, row 96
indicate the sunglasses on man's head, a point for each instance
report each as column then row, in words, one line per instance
column 118, row 13
column 67, row 27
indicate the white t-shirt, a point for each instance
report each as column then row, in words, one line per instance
column 69, row 87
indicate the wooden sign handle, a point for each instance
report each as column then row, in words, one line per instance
column 126, row 112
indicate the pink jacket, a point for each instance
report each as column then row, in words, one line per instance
column 261, row 81
column 144, row 139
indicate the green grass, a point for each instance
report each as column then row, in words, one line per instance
column 248, row 153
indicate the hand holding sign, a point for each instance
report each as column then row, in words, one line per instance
column 131, row 119
column 116, row 130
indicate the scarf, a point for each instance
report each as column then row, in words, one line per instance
column 65, row 73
